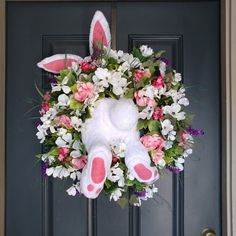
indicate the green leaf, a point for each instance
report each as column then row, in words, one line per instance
column 133, row 199
column 129, row 93
column 74, row 104
column 53, row 152
column 76, row 136
column 74, row 88
column 142, row 124
column 136, row 53
column 159, row 54
column 122, row 202
column 154, row 125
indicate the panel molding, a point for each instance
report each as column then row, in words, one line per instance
column 228, row 101
column 176, row 44
column 2, row 116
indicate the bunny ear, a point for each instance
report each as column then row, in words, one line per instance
column 99, row 32
column 58, row 62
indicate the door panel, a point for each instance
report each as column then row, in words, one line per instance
column 196, row 194
column 185, row 204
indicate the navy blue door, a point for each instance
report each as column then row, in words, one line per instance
column 186, row 204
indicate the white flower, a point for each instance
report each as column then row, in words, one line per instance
column 150, row 191
column 116, row 194
column 112, row 53
column 62, row 86
column 183, row 101
column 178, row 77
column 168, row 144
column 146, row 113
column 61, row 131
column 63, row 100
column 116, row 175
column 174, row 110
column 118, row 83
column 76, row 123
column 101, row 78
column 58, row 171
column 64, row 140
column 166, row 127
column 124, row 67
column 75, row 154
column 129, row 58
column 162, row 68
column 161, row 163
column 41, row 133
column 171, row 135
column 146, row 51
column 118, row 146
column 187, row 152
column 73, row 189
column 179, row 163
column 47, row 157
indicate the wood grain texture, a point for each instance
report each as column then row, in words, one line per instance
column 2, row 116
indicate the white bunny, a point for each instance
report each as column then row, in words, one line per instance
column 111, row 120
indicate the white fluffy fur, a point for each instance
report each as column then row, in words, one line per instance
column 113, row 119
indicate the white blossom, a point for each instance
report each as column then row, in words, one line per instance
column 162, row 68
column 166, row 127
column 64, row 140
column 62, row 86
column 146, row 51
column 116, row 194
column 101, row 79
column 63, row 100
column 174, row 110
column 118, row 83
column 179, row 163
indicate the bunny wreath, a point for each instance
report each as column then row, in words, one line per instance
column 92, row 118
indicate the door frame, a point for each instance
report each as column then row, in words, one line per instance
column 228, row 117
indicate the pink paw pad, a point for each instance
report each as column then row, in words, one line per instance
column 143, row 172
column 98, row 170
column 90, row 187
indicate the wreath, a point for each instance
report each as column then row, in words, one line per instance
column 113, row 122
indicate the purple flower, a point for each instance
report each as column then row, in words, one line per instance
column 173, row 169
column 44, row 167
column 195, row 132
column 165, row 60
column 138, row 193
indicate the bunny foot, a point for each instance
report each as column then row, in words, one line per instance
column 139, row 164
column 95, row 172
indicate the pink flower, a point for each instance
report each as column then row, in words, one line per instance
column 157, row 156
column 85, row 67
column 152, row 142
column 85, row 90
column 45, row 105
column 64, row 120
column 115, row 158
column 46, row 96
column 183, row 139
column 143, row 101
column 158, row 113
column 63, row 153
column 79, row 163
column 158, row 82
column 140, row 74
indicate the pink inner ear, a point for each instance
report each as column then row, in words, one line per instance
column 99, row 34
column 59, row 64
